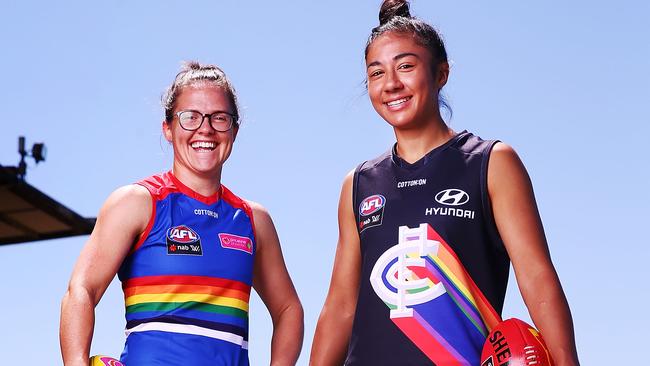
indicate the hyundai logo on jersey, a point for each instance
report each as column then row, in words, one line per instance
column 371, row 211
column 183, row 240
column 452, row 197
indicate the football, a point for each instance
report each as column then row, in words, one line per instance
column 513, row 342
column 100, row 360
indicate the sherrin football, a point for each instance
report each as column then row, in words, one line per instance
column 513, row 342
column 100, row 360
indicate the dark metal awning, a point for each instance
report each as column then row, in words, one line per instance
column 27, row 214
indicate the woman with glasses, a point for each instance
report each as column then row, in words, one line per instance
column 428, row 229
column 186, row 249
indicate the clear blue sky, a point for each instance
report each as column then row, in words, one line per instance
column 565, row 83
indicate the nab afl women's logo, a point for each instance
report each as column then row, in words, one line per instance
column 371, row 211
column 183, row 240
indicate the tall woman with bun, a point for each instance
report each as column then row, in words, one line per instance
column 186, row 249
column 428, row 229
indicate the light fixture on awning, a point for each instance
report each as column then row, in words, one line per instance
column 26, row 213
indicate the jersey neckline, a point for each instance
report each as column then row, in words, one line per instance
column 397, row 160
column 208, row 200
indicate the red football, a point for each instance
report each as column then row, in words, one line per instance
column 515, row 343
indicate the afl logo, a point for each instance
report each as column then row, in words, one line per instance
column 372, row 204
column 182, row 235
column 452, row 197
column 181, row 240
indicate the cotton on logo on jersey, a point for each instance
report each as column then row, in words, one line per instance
column 203, row 212
column 411, row 183
column 451, row 197
column 371, row 211
column 183, row 240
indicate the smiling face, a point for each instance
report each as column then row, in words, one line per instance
column 402, row 84
column 201, row 152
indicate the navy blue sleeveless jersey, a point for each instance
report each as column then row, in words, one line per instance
column 434, row 269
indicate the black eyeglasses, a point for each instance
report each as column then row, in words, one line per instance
column 219, row 120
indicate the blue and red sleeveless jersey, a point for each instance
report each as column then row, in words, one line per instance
column 188, row 278
column 434, row 269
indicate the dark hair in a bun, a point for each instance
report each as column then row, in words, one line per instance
column 393, row 8
column 395, row 16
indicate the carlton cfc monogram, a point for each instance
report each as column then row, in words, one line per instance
column 400, row 278
column 431, row 296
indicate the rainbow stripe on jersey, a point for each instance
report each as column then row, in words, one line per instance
column 211, row 307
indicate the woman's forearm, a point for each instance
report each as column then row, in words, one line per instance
column 549, row 310
column 76, row 328
column 288, row 331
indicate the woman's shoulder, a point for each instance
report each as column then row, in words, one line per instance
column 503, row 148
column 128, row 208
column 257, row 208
column 262, row 221
column 128, row 196
column 506, row 168
column 503, row 153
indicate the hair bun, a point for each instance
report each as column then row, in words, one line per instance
column 393, row 8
